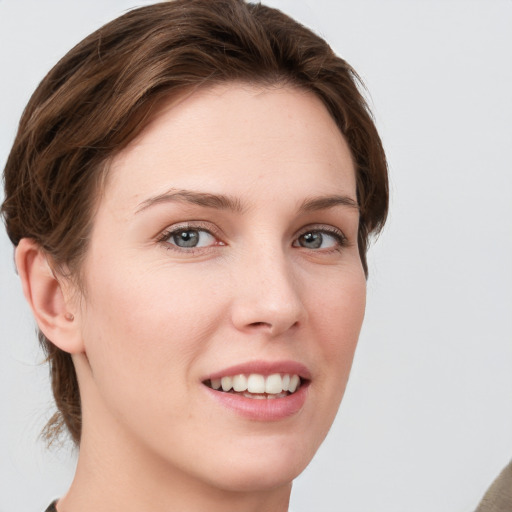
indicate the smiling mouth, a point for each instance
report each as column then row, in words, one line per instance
column 258, row 386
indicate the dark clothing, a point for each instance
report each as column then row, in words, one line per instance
column 52, row 508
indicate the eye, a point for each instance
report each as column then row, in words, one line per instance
column 320, row 239
column 189, row 238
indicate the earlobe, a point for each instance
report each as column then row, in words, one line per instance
column 50, row 302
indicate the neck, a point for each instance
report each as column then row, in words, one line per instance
column 111, row 485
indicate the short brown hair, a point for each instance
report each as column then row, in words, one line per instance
column 100, row 95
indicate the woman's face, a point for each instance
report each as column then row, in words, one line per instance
column 224, row 246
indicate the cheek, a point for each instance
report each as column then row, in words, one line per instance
column 338, row 320
column 340, row 313
column 144, row 328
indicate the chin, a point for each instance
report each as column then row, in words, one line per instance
column 263, row 464
column 257, row 476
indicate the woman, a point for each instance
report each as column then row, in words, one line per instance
column 191, row 194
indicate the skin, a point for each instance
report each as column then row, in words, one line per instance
column 155, row 319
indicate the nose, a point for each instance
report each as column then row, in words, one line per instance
column 267, row 298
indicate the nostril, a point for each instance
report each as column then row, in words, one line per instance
column 270, row 327
column 258, row 324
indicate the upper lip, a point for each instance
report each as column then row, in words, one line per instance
column 263, row 368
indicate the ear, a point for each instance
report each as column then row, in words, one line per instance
column 51, row 301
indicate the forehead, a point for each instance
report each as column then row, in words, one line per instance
column 234, row 136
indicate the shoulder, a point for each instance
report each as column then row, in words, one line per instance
column 498, row 497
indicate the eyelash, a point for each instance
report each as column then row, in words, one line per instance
column 337, row 234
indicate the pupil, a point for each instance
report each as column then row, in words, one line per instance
column 312, row 240
column 186, row 238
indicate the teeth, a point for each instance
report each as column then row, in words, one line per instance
column 226, row 383
column 239, row 382
column 256, row 383
column 272, row 386
column 257, row 397
column 294, row 382
column 286, row 382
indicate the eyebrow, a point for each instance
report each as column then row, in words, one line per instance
column 217, row 201
column 224, row 202
column 325, row 202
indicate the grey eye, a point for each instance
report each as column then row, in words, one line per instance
column 319, row 240
column 190, row 238
column 311, row 240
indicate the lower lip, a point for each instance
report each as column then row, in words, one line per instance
column 267, row 409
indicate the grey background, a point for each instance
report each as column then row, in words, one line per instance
column 426, row 422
